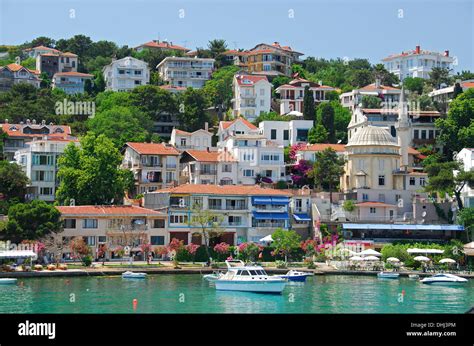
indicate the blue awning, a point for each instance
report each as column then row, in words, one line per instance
column 401, row 227
column 280, row 200
column 261, row 200
column 302, row 217
column 270, row 216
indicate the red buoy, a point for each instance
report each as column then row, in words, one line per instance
column 135, row 304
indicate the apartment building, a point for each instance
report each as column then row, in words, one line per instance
column 39, row 162
column 285, row 133
column 417, row 63
column 71, row 82
column 56, row 61
column 12, row 74
column 292, row 94
column 154, row 165
column 252, row 95
column 126, row 74
column 388, row 95
column 271, row 59
column 109, row 229
column 208, row 167
column 198, row 140
column 186, row 72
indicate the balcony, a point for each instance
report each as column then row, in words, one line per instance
column 248, row 96
column 268, row 224
column 268, row 209
column 206, row 172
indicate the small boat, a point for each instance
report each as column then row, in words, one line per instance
column 388, row 275
column 444, row 279
column 413, row 276
column 240, row 277
column 294, row 275
column 8, row 281
column 133, row 275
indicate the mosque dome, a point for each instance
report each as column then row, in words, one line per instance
column 372, row 136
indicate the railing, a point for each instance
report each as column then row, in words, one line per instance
column 269, row 224
column 269, row 209
column 171, row 165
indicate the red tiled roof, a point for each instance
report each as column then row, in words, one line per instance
column 211, row 156
column 413, row 151
column 374, row 204
column 181, row 132
column 467, row 84
column 380, row 87
column 15, row 67
column 74, row 74
column 9, row 130
column 163, row 45
column 236, row 52
column 153, row 148
column 107, row 210
column 240, row 190
column 227, row 124
column 411, row 52
column 323, row 146
column 43, row 48
column 251, row 78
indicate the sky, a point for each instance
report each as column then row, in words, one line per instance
column 371, row 29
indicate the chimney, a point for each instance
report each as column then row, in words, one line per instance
column 377, row 82
column 446, row 53
column 417, row 50
column 206, row 126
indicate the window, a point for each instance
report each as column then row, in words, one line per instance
column 158, row 223
column 43, row 176
column 273, row 134
column 90, row 241
column 398, row 198
column 262, row 92
column 102, row 239
column 365, row 197
column 46, row 191
column 138, row 72
column 215, row 203
column 183, row 142
column 178, row 219
column 373, row 210
column 416, row 134
column 226, row 168
column 157, row 240
column 69, row 223
column 431, row 134
column 286, row 135
column 423, row 134
column 235, row 220
column 302, row 135
column 381, row 197
column 412, row 181
column 381, row 180
column 381, row 164
column 197, row 201
column 138, row 82
column 422, row 181
column 46, row 160
column 89, row 223
column 248, row 173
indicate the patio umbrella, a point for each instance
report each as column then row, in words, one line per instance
column 422, row 259
column 268, row 238
column 348, row 251
column 356, row 258
column 371, row 258
column 447, row 260
column 425, row 251
column 393, row 259
column 370, row 252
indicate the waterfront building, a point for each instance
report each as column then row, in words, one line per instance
column 126, row 74
column 18, row 135
column 154, row 165
column 252, row 95
column 248, row 213
column 389, row 95
column 162, row 46
column 292, row 94
column 198, row 140
column 186, row 72
column 466, row 156
column 56, row 61
column 208, row 167
column 110, row 228
column 271, row 59
column 417, row 63
column 71, row 82
column 12, row 74
column 285, row 133
column 39, row 161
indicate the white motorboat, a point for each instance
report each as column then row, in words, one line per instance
column 388, row 275
column 133, row 275
column 212, row 277
column 294, row 275
column 413, row 276
column 240, row 277
column 444, row 279
column 8, row 281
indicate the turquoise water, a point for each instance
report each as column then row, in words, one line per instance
column 192, row 294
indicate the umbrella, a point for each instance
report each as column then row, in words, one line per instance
column 296, row 113
column 268, row 238
column 356, row 258
column 393, row 259
column 371, row 258
column 18, row 254
column 422, row 259
column 425, row 251
column 447, row 260
column 370, row 252
column 347, row 250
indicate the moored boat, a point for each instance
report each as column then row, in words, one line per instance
column 240, row 277
column 8, row 281
column 444, row 279
column 295, row 275
column 388, row 275
column 413, row 276
column 133, row 275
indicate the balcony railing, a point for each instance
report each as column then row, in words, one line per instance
column 269, row 224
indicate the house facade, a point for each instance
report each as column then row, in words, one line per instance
column 271, row 59
column 252, row 95
column 389, row 95
column 57, row 61
column 38, row 50
column 292, row 94
column 126, row 74
column 71, row 82
column 446, row 94
column 13, row 74
column 186, row 72
column 154, row 165
column 285, row 133
column 417, row 63
column 198, row 140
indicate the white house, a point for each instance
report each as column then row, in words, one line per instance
column 126, row 74
column 466, row 156
column 446, row 94
column 198, row 140
column 286, row 133
column 13, row 74
column 252, row 95
column 389, row 95
column 39, row 162
column 186, row 72
column 38, row 50
column 417, row 63
column 292, row 94
column 71, row 82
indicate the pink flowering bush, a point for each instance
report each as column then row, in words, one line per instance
column 299, row 173
column 222, row 248
column 294, row 149
column 175, row 245
column 249, row 251
column 192, row 249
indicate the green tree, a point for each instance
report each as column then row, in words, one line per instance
column 90, row 174
column 207, row 224
column 192, row 109
column 31, row 221
column 13, row 183
column 386, row 78
column 327, row 170
column 414, row 84
column 280, row 80
column 457, row 90
column 465, row 217
column 219, row 88
column 285, row 242
column 342, row 117
column 216, row 48
column 438, row 76
column 318, row 134
column 42, row 41
column 369, row 101
column 308, row 104
column 156, row 103
column 325, row 115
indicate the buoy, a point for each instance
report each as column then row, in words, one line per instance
column 67, row 282
column 403, row 293
column 135, row 304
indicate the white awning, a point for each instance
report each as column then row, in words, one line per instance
column 18, row 254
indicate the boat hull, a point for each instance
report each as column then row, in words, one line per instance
column 443, row 283
column 259, row 286
column 8, row 281
column 295, row 278
column 388, row 275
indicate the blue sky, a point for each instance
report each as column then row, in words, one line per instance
column 371, row 29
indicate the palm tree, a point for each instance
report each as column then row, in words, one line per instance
column 216, row 48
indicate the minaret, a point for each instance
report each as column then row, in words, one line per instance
column 403, row 130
